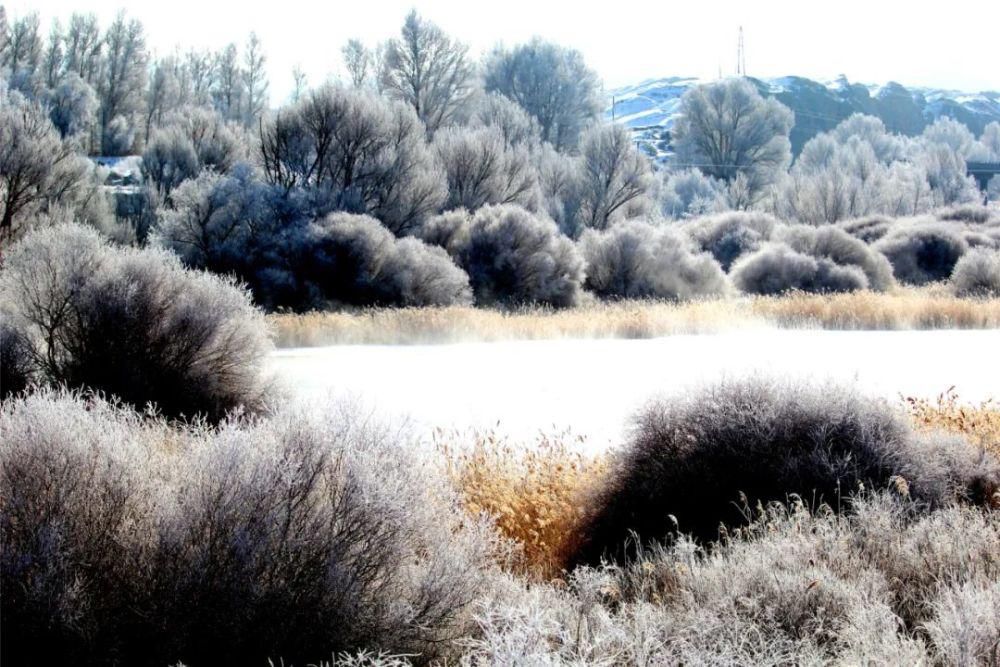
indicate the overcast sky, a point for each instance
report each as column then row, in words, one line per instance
column 951, row 45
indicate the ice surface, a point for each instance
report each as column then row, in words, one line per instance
column 593, row 386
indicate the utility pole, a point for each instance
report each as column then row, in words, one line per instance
column 741, row 58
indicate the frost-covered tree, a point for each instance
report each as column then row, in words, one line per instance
column 83, row 47
column 859, row 169
column 516, row 125
column 4, row 35
column 615, row 178
column 122, row 81
column 22, row 54
column 72, row 106
column 993, row 189
column 551, row 83
column 947, row 175
column 871, row 130
column 687, row 193
column 200, row 68
column 162, row 93
column 428, row 70
column 558, row 177
column 218, row 222
column 359, row 61
column 727, row 129
column 952, row 133
column 355, row 152
column 37, row 168
column 227, row 91
column 482, row 168
column 191, row 140
column 52, row 60
column 300, row 83
column 255, row 82
column 990, row 142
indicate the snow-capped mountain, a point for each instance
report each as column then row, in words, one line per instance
column 650, row 107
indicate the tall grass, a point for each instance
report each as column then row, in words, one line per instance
column 899, row 309
column 538, row 495
column 979, row 423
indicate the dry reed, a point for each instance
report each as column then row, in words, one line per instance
column 538, row 495
column 980, row 424
column 900, row 309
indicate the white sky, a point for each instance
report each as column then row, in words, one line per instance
column 941, row 44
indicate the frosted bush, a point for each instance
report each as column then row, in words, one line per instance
column 135, row 324
column 868, row 229
column 729, row 236
column 965, row 628
column 305, row 535
column 776, row 268
column 448, row 230
column 353, row 259
column 830, row 243
column 922, row 251
column 706, row 458
column 637, row 260
column 977, row 273
column 796, row 586
column 513, row 257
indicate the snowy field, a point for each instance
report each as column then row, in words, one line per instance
column 591, row 387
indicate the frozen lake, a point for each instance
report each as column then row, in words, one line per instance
column 593, row 386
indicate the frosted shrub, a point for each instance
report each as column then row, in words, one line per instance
column 968, row 213
column 868, row 229
column 697, row 462
column 353, row 259
column 513, row 257
column 977, row 273
column 635, row 260
column 302, row 536
column 135, row 324
column 965, row 628
column 776, row 268
column 448, row 230
column 830, row 243
column 796, row 586
column 729, row 236
column 922, row 251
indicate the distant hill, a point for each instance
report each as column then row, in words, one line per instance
column 650, row 107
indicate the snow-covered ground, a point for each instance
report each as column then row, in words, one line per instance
column 593, row 386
